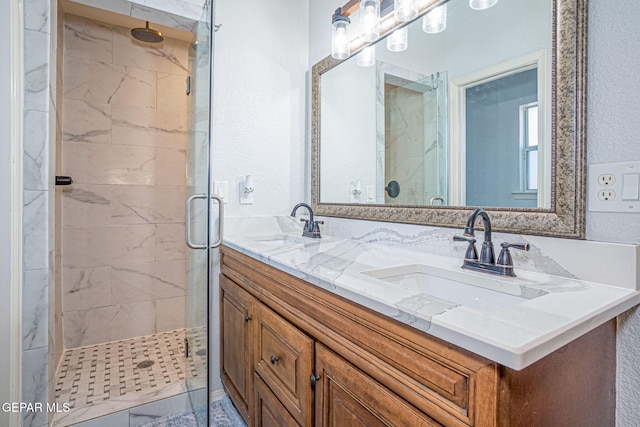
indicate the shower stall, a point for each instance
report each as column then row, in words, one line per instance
column 132, row 309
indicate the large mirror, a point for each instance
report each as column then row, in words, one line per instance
column 486, row 112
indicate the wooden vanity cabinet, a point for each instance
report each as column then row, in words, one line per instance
column 236, row 346
column 309, row 357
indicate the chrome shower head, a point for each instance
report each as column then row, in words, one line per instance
column 147, row 34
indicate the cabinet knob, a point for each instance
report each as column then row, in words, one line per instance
column 274, row 359
column 247, row 318
column 314, row 378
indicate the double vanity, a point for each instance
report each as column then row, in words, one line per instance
column 338, row 331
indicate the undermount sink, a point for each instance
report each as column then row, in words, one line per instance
column 483, row 293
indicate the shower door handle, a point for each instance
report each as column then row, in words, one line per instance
column 220, row 220
column 187, row 221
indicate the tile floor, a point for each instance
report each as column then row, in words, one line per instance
column 110, row 377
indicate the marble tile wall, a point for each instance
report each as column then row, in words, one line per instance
column 40, row 108
column 125, row 137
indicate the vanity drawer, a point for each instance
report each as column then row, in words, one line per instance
column 269, row 412
column 284, row 361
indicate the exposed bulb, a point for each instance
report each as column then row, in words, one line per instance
column 435, row 21
column 340, row 43
column 482, row 4
column 398, row 40
column 370, row 19
column 367, row 57
column 405, row 10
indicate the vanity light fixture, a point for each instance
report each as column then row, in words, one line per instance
column 398, row 40
column 482, row 4
column 340, row 38
column 367, row 57
column 405, row 10
column 370, row 19
column 435, row 21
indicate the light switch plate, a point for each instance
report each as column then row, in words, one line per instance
column 609, row 187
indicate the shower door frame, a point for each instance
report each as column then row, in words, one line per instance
column 209, row 248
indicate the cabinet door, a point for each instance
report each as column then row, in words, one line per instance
column 269, row 412
column 346, row 397
column 283, row 358
column 236, row 345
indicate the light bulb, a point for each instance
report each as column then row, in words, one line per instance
column 405, row 10
column 340, row 43
column 482, row 4
column 370, row 19
column 398, row 40
column 435, row 21
column 367, row 57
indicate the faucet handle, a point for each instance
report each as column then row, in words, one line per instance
column 472, row 253
column 504, row 259
column 521, row 246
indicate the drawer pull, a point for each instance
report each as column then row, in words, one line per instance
column 247, row 318
column 274, row 359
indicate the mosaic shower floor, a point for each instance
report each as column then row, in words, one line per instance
column 109, row 377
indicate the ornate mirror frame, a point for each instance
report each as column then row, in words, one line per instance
column 566, row 216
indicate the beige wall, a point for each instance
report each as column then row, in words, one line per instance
column 124, row 144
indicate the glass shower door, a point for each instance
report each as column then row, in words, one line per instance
column 203, row 215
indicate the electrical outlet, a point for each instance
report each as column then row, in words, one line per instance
column 607, row 179
column 606, row 195
column 613, row 187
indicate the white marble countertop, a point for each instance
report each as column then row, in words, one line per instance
column 551, row 311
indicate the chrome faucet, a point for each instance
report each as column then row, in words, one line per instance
column 486, row 262
column 311, row 227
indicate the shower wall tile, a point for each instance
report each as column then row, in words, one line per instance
column 170, row 314
column 105, row 246
column 172, row 92
column 36, row 66
column 35, row 161
column 147, row 282
column 148, row 205
column 86, row 38
column 170, row 56
column 171, row 167
column 108, row 83
column 170, row 242
column 91, row 121
column 35, row 309
column 91, row 163
column 86, row 205
column 34, row 385
column 86, row 327
column 85, row 247
column 134, row 320
column 123, row 218
column 35, row 230
column 132, row 243
column 36, row 16
column 149, row 127
column 86, row 288
column 161, row 17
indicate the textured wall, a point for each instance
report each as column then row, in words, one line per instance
column 259, row 102
column 612, row 136
column 124, row 140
